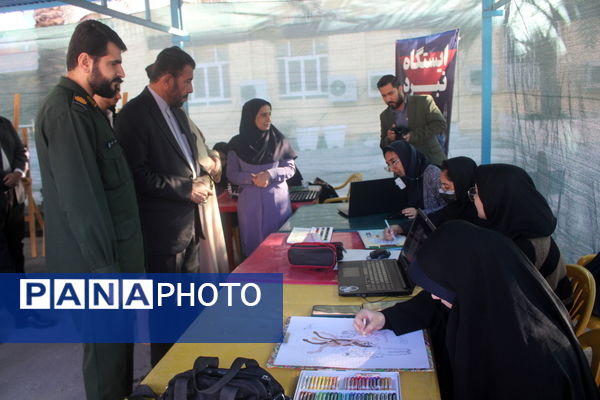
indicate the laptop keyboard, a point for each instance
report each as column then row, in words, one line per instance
column 377, row 276
column 304, row 195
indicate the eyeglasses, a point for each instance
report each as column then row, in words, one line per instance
column 472, row 192
column 389, row 165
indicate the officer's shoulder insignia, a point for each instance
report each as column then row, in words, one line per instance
column 91, row 100
column 80, row 103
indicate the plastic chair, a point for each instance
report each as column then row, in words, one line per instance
column 584, row 295
column 355, row 177
column 591, row 339
column 594, row 322
column 583, row 261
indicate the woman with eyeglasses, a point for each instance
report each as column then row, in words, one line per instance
column 417, row 176
column 506, row 197
column 456, row 177
column 498, row 332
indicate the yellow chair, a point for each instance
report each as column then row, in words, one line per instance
column 591, row 339
column 355, row 177
column 594, row 322
column 583, row 261
column 584, row 295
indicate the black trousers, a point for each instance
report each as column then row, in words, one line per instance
column 186, row 261
column 12, row 231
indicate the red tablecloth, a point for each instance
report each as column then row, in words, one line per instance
column 271, row 257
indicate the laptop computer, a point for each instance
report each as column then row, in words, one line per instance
column 301, row 193
column 385, row 277
column 373, row 197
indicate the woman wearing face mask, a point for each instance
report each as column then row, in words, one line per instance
column 456, row 178
column 502, row 333
column 418, row 177
column 260, row 160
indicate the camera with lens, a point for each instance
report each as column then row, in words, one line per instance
column 400, row 131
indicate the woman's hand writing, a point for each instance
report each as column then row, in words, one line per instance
column 367, row 322
column 391, row 232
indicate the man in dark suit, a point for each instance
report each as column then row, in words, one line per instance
column 415, row 119
column 161, row 151
column 13, row 161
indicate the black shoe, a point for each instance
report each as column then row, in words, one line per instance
column 34, row 320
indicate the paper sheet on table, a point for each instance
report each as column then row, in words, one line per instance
column 318, row 342
column 359, row 254
column 374, row 239
column 313, row 234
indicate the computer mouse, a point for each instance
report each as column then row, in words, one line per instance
column 379, row 254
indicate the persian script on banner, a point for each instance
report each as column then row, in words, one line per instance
column 426, row 65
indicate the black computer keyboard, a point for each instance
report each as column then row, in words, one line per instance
column 377, row 276
column 304, row 195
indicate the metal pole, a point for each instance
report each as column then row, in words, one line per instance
column 488, row 12
column 176, row 21
column 126, row 17
column 147, row 11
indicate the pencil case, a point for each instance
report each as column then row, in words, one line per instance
column 315, row 254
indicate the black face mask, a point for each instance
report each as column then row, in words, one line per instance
column 448, row 196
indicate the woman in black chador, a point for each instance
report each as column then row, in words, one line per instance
column 507, row 199
column 501, row 331
column 456, row 178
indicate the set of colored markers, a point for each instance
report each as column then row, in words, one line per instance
column 346, row 396
column 319, row 382
column 367, row 383
column 347, row 385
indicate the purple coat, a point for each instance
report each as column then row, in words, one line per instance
column 261, row 211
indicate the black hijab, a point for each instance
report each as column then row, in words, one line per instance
column 511, row 202
column 222, row 147
column 259, row 147
column 461, row 171
column 507, row 335
column 414, row 163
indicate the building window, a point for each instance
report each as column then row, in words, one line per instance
column 592, row 76
column 303, row 68
column 211, row 76
column 522, row 76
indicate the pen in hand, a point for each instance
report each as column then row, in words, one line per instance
column 366, row 322
column 390, row 229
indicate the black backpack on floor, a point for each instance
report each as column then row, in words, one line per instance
column 209, row 382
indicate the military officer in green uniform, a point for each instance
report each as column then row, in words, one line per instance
column 90, row 208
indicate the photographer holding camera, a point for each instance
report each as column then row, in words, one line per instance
column 415, row 119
